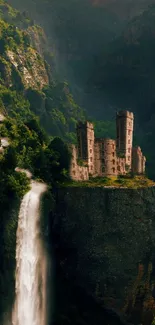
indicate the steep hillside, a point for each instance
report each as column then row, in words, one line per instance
column 76, row 31
column 26, row 80
column 126, row 75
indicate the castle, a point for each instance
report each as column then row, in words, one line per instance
column 99, row 157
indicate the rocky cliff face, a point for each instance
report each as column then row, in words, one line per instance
column 21, row 65
column 107, row 239
column 30, row 66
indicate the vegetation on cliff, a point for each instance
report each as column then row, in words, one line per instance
column 27, row 97
column 29, row 148
column 26, row 83
column 113, row 182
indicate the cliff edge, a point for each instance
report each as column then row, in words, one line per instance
column 107, row 239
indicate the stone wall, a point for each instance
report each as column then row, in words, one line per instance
column 109, row 157
column 121, row 166
column 109, row 231
column 107, row 163
column 90, row 144
column 77, row 172
column 138, row 161
column 85, row 138
column 97, row 157
column 124, row 129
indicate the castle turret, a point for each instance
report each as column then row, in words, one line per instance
column 138, row 161
column 124, row 124
column 85, row 137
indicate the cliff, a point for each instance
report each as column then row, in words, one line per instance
column 28, row 85
column 107, row 239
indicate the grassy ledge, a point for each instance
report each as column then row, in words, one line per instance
column 113, row 182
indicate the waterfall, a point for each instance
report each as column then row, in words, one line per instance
column 31, row 262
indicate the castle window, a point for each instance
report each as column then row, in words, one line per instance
column 113, row 162
column 118, row 168
column 90, row 150
column 91, row 167
column 128, row 158
column 128, row 150
column 74, row 172
column 113, row 170
column 91, row 159
column 113, row 154
column 103, row 169
column 113, row 146
column 129, row 141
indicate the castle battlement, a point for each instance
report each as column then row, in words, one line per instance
column 85, row 124
column 137, row 150
column 106, row 157
column 125, row 114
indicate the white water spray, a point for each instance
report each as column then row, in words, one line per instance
column 31, row 262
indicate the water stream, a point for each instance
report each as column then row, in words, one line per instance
column 31, row 262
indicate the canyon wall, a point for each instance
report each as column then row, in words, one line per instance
column 107, row 239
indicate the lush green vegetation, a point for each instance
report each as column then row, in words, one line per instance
column 48, row 160
column 57, row 110
column 114, row 182
column 13, row 16
column 30, row 147
column 105, row 129
column 49, row 99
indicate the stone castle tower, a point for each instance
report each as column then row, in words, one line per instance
column 124, row 137
column 99, row 157
column 85, row 149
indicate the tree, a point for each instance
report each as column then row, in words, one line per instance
column 61, row 149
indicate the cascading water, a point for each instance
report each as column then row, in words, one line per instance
column 31, row 262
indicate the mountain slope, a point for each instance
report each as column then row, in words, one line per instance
column 27, row 84
column 126, row 75
column 76, row 32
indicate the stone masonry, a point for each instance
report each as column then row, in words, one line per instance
column 99, row 157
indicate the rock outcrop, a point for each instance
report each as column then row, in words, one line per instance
column 107, row 239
